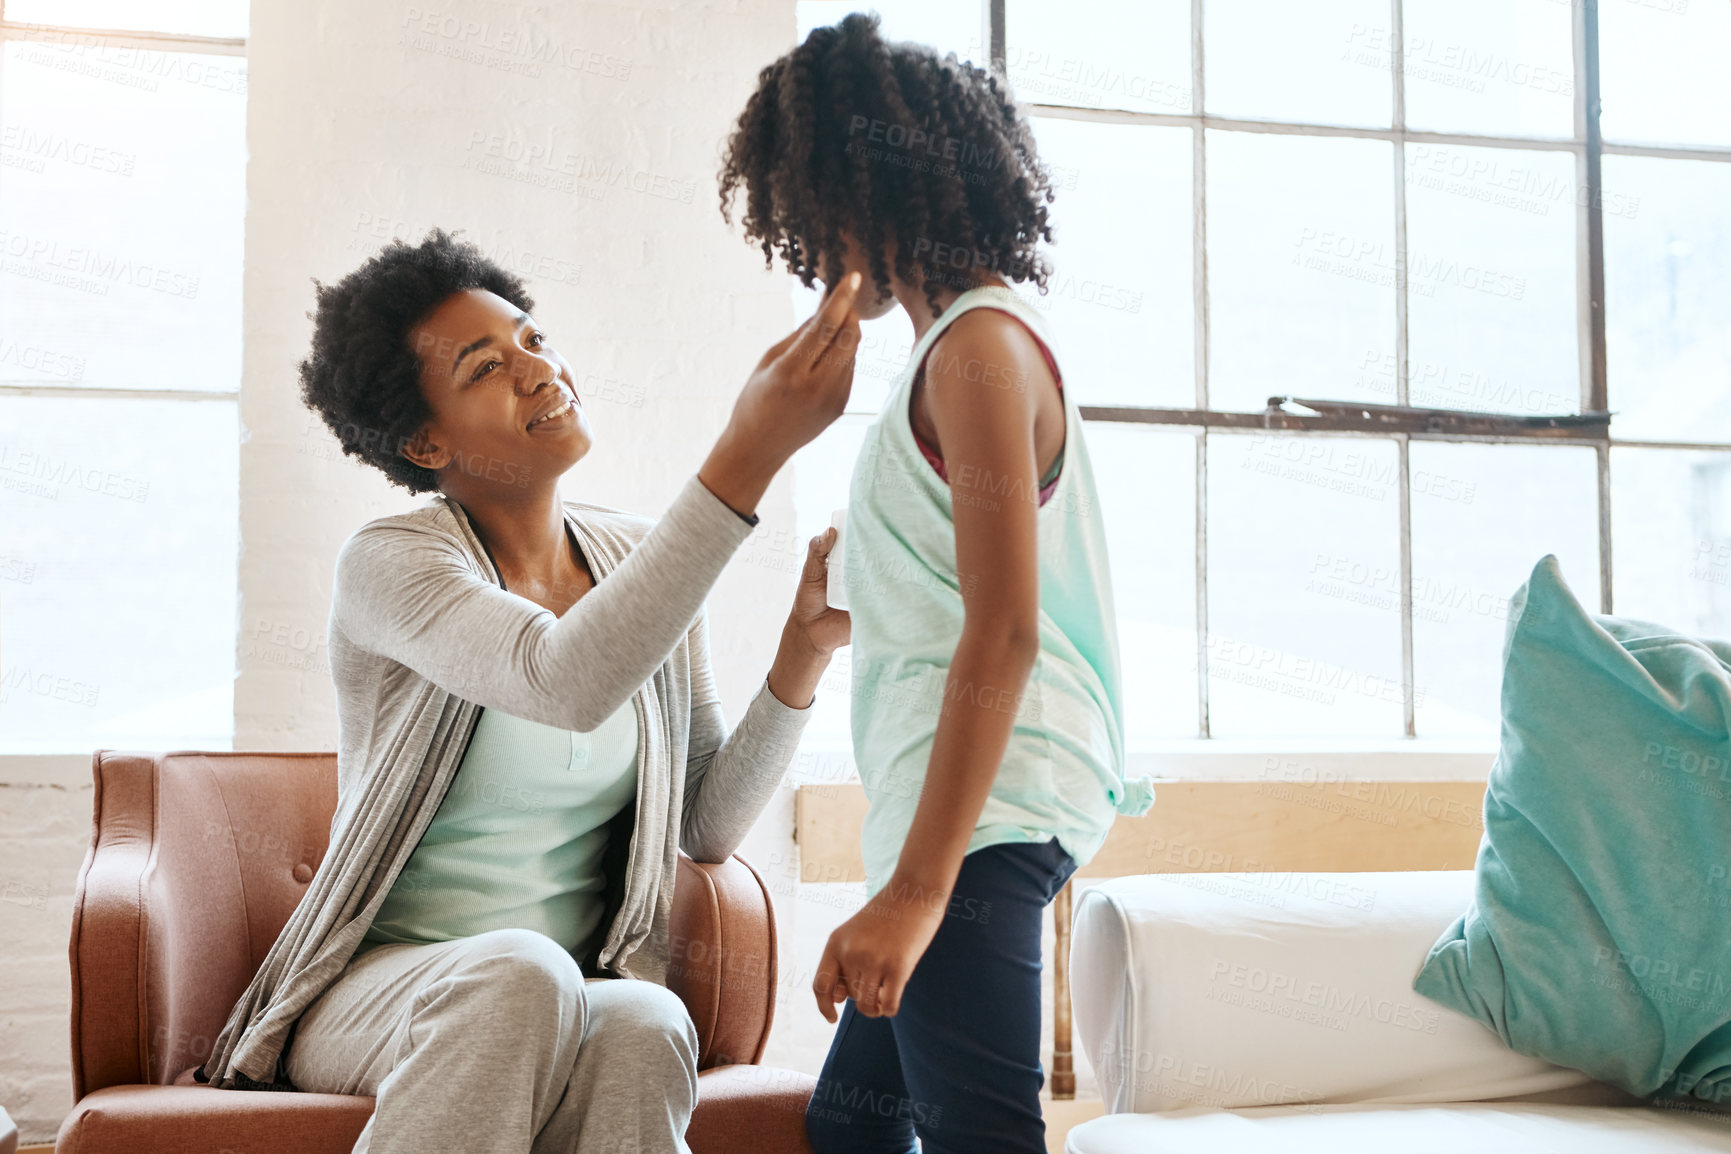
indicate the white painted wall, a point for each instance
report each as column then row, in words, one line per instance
column 576, row 142
column 595, row 177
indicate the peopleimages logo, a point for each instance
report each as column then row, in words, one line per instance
column 46, row 467
column 524, row 47
column 145, row 69
column 41, row 147
column 938, row 147
column 106, row 268
column 511, row 155
column 35, row 359
column 1688, row 761
column 1322, row 996
column 1453, row 65
column 43, row 683
column 1039, row 71
column 1495, row 180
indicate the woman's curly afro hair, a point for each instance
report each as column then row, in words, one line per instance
column 890, row 142
column 361, row 375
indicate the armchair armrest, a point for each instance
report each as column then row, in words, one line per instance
column 723, row 958
column 106, row 951
column 1256, row 989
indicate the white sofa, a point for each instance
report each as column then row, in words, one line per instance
column 1240, row 1013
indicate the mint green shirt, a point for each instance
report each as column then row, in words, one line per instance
column 517, row 840
column 1063, row 771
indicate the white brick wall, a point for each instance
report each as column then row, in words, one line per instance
column 44, row 828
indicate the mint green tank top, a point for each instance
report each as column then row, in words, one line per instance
column 518, row 839
column 1063, row 771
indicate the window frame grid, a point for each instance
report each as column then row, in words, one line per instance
column 1401, row 422
column 1586, row 144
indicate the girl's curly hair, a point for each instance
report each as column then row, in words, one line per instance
column 894, row 144
column 361, row 376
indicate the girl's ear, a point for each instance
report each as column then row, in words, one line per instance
column 424, row 450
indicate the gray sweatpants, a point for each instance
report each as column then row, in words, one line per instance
column 495, row 1044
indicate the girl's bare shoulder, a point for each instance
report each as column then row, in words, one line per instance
column 989, row 347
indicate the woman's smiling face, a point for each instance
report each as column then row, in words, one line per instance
column 504, row 405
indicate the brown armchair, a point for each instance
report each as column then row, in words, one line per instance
column 196, row 861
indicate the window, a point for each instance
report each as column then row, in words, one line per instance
column 1506, row 328
column 122, row 162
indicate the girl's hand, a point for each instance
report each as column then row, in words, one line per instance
column 825, row 628
column 870, row 957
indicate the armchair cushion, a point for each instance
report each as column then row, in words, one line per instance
column 141, row 1119
column 740, row 1110
column 1259, row 989
column 750, row 1110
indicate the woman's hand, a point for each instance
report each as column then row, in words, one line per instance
column 813, row 632
column 870, row 957
column 797, row 390
column 826, row 628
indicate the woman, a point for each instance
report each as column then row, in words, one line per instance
column 512, row 670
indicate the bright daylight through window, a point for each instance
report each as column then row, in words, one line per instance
column 1404, row 207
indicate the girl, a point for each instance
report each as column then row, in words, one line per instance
column 985, row 714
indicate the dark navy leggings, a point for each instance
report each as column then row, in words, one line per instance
column 959, row 1064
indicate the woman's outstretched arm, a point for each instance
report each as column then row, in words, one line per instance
column 413, row 596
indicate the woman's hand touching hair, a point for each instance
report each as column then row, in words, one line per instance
column 797, row 390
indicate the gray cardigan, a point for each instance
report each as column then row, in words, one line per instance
column 423, row 637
